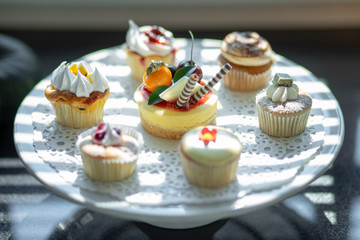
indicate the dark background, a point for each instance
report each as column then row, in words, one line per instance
column 321, row 211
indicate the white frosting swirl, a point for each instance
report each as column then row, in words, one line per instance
column 78, row 78
column 59, row 69
column 282, row 93
column 137, row 41
column 62, row 81
column 81, row 86
column 99, row 82
column 111, row 136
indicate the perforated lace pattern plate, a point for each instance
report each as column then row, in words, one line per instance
column 266, row 162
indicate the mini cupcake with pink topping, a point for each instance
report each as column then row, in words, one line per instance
column 147, row 43
column 109, row 152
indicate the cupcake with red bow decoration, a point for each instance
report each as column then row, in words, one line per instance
column 210, row 156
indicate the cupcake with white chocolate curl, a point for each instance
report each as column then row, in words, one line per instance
column 109, row 152
column 251, row 58
column 283, row 109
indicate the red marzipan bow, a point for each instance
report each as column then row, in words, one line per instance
column 207, row 136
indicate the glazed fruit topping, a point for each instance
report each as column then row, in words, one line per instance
column 172, row 69
column 186, row 63
column 207, row 135
column 155, row 35
column 190, row 62
column 100, row 126
column 99, row 135
column 158, row 77
column 105, row 134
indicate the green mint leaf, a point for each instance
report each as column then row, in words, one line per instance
column 185, row 71
column 154, row 96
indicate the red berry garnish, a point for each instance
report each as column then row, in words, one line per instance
column 99, row 135
column 190, row 62
column 101, row 126
column 155, row 35
column 207, row 136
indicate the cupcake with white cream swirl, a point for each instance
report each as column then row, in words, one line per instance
column 147, row 43
column 283, row 109
column 78, row 94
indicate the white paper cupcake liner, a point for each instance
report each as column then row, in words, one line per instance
column 209, row 177
column 245, row 82
column 109, row 170
column 282, row 126
column 76, row 118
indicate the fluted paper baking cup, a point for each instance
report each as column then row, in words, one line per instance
column 282, row 126
column 72, row 117
column 109, row 170
column 245, row 82
column 209, row 176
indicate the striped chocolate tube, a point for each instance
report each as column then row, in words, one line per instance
column 186, row 92
column 206, row 88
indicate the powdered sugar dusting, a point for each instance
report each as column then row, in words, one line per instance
column 303, row 103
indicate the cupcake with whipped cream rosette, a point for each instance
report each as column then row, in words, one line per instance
column 147, row 43
column 78, row 94
column 283, row 109
column 109, row 152
column 251, row 57
column 209, row 156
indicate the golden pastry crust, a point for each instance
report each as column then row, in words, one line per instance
column 248, row 69
column 69, row 98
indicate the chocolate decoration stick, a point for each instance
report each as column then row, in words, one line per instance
column 206, row 88
column 186, row 92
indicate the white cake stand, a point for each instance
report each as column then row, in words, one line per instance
column 181, row 215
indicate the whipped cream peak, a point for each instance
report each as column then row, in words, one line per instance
column 78, row 78
column 99, row 82
column 107, row 135
column 58, row 70
column 81, row 86
column 149, row 40
column 282, row 88
column 62, row 81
